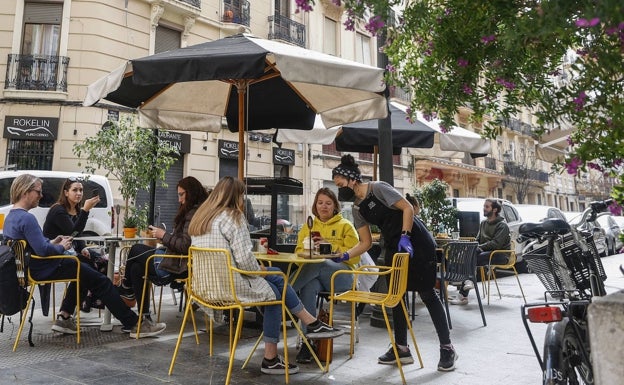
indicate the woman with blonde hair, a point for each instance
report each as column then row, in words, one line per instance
column 220, row 223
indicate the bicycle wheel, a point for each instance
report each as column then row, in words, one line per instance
column 563, row 357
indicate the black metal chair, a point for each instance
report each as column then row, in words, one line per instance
column 458, row 265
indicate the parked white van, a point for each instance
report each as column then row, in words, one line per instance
column 101, row 218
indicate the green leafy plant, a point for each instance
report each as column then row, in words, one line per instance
column 559, row 60
column 436, row 210
column 137, row 217
column 131, row 154
column 130, row 221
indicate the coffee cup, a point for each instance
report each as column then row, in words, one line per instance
column 325, row 248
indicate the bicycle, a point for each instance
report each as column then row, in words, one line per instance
column 569, row 267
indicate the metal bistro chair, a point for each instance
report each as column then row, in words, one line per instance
column 397, row 286
column 211, row 283
column 510, row 264
column 20, row 253
column 153, row 283
column 458, row 265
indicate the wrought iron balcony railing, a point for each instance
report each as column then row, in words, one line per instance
column 517, row 171
column 490, row 163
column 283, row 28
column 519, row 126
column 37, row 72
column 194, row 3
column 236, row 11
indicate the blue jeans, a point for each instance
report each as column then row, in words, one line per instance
column 273, row 313
column 316, row 277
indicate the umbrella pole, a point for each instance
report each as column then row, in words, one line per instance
column 375, row 153
column 240, row 88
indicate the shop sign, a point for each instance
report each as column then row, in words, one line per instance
column 228, row 149
column 31, row 128
column 179, row 141
column 283, row 156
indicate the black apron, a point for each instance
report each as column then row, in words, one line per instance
column 422, row 266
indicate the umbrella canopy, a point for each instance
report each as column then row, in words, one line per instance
column 255, row 83
column 364, row 136
column 420, row 134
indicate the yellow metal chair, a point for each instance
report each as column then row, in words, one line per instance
column 19, row 252
column 211, row 283
column 147, row 281
column 397, row 286
column 511, row 261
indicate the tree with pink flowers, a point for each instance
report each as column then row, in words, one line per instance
column 563, row 60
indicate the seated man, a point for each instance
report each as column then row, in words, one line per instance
column 20, row 224
column 493, row 235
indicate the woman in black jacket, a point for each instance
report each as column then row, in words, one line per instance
column 191, row 194
column 66, row 217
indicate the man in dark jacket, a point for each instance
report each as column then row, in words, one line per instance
column 493, row 235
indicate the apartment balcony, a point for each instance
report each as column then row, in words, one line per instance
column 236, row 11
column 490, row 163
column 36, row 73
column 285, row 29
column 520, row 127
column 194, row 3
column 518, row 171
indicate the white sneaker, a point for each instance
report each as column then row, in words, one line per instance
column 468, row 285
column 459, row 300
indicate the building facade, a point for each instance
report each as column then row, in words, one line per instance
column 51, row 50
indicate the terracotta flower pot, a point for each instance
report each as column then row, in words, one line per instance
column 129, row 232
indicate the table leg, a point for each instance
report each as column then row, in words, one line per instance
column 107, row 326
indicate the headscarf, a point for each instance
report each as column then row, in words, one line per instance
column 348, row 171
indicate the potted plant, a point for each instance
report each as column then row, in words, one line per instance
column 131, row 154
column 130, row 225
column 437, row 211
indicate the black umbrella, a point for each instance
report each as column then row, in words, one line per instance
column 419, row 134
column 364, row 136
column 254, row 83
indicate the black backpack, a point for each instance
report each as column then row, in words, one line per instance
column 13, row 296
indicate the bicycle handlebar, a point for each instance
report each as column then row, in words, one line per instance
column 590, row 213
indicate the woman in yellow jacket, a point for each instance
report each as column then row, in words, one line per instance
column 329, row 227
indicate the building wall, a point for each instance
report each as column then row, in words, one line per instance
column 100, row 35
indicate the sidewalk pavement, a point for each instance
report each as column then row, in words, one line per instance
column 498, row 353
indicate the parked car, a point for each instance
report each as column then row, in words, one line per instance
column 537, row 213
column 600, row 238
column 101, row 218
column 612, row 232
column 470, row 212
column 620, row 222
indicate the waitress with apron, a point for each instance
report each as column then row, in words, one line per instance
column 380, row 204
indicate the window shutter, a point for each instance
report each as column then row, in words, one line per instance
column 43, row 13
column 166, row 39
